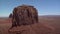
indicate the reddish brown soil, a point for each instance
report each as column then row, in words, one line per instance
column 45, row 26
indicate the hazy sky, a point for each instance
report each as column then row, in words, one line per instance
column 44, row 7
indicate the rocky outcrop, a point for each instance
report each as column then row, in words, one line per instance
column 24, row 15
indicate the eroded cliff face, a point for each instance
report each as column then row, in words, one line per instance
column 24, row 15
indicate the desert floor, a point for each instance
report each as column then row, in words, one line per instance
column 46, row 25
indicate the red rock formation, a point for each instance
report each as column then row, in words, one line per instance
column 24, row 15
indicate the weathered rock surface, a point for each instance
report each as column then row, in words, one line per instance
column 24, row 15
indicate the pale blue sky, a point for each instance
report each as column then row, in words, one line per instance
column 44, row 7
